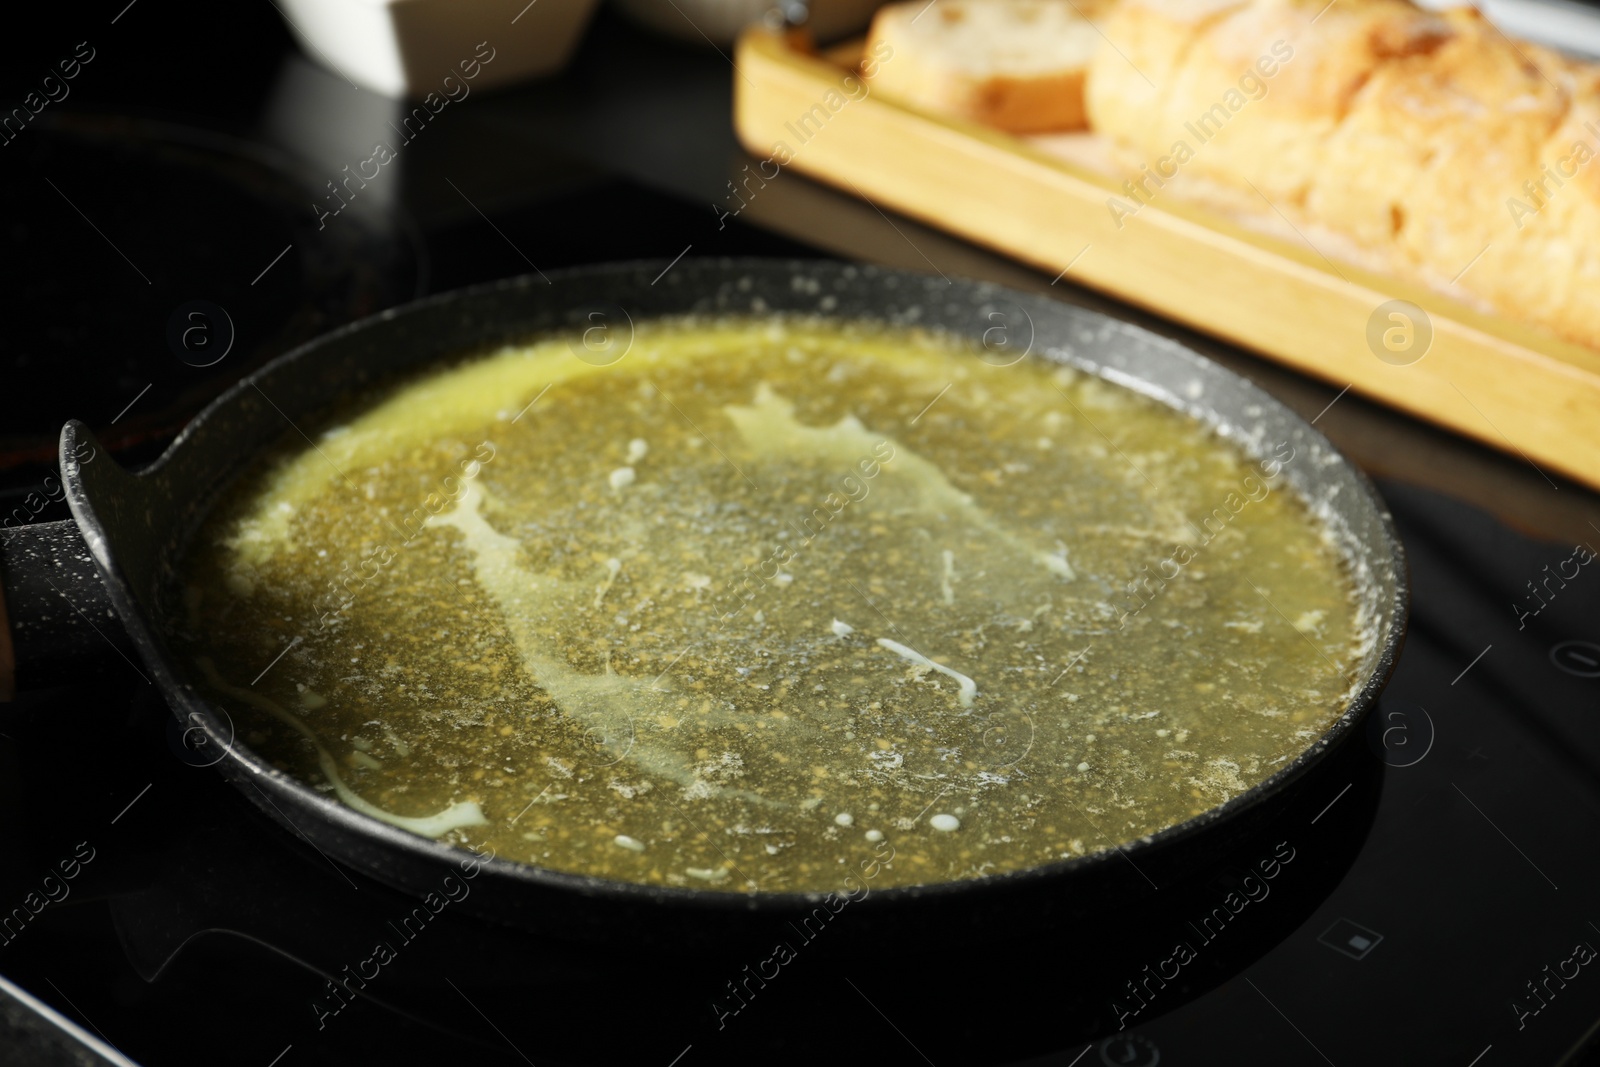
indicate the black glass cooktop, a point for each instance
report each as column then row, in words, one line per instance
column 1432, row 895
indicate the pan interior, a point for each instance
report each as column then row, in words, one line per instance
column 768, row 604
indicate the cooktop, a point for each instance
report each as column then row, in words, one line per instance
column 1434, row 892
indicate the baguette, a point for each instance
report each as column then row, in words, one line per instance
column 1451, row 155
column 1017, row 65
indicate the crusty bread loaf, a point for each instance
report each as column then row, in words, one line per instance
column 1456, row 157
column 1017, row 65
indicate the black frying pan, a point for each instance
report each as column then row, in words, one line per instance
column 116, row 563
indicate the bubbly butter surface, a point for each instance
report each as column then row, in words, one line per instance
column 764, row 601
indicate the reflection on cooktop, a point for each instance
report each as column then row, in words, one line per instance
column 135, row 225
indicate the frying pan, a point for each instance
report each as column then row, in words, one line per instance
column 70, row 584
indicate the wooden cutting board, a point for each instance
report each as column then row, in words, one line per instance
column 1045, row 201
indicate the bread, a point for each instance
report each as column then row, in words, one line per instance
column 1449, row 154
column 1017, row 65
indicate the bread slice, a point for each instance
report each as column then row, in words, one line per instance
column 1017, row 65
column 1248, row 90
column 1458, row 158
column 1463, row 129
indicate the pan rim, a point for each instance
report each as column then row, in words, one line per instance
column 242, row 765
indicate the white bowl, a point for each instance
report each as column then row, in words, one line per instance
column 719, row 21
column 410, row 47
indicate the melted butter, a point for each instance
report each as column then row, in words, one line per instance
column 458, row 815
column 648, row 677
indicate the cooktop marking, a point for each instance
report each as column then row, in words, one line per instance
column 1474, row 662
column 1332, row 802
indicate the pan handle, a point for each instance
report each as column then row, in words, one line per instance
column 56, row 619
